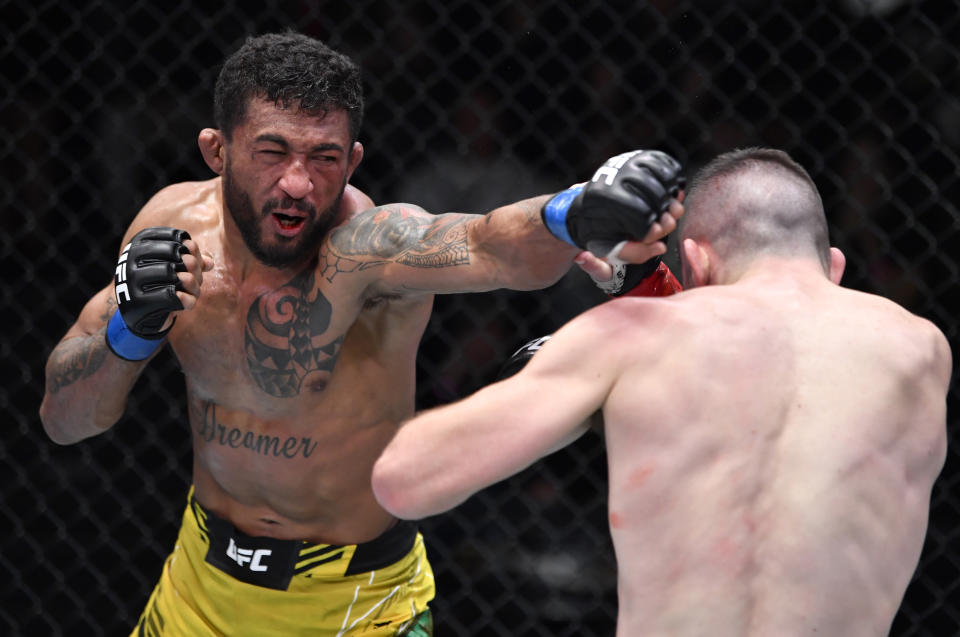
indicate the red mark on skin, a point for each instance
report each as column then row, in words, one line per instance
column 638, row 476
column 724, row 547
column 616, row 520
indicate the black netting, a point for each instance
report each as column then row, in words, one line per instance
column 469, row 105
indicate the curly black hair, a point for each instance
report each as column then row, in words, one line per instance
column 290, row 69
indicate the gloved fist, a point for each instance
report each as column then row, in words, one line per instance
column 145, row 285
column 623, row 199
column 520, row 357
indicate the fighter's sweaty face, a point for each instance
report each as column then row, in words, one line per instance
column 269, row 248
column 284, row 175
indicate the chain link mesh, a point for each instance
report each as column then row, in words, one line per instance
column 469, row 105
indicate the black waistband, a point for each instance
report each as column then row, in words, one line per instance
column 384, row 550
column 271, row 563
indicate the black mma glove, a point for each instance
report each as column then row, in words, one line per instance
column 520, row 357
column 145, row 285
column 621, row 201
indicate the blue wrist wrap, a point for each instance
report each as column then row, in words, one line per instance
column 126, row 344
column 555, row 213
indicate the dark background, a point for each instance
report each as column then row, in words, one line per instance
column 470, row 105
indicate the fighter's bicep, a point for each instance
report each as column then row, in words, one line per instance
column 544, row 412
column 496, row 432
column 403, row 249
column 568, row 380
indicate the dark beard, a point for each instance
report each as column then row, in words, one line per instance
column 289, row 251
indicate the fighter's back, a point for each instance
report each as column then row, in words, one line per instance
column 780, row 485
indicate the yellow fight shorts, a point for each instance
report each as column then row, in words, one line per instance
column 219, row 581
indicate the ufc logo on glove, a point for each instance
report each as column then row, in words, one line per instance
column 121, row 277
column 620, row 203
column 612, row 166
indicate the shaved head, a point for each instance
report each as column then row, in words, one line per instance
column 754, row 202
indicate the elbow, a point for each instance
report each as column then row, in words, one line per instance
column 57, row 426
column 53, row 428
column 390, row 490
column 385, row 488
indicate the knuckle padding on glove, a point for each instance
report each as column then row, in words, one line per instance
column 145, row 287
column 646, row 186
column 621, row 202
column 153, row 271
column 162, row 233
column 160, row 296
column 154, row 251
column 154, row 259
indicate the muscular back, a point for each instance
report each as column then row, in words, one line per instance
column 783, row 484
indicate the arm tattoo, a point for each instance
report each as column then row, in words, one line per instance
column 80, row 357
column 531, row 209
column 77, row 358
column 398, row 234
column 286, row 336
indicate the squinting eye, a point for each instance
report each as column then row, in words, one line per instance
column 270, row 156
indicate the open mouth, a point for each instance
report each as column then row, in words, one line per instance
column 288, row 222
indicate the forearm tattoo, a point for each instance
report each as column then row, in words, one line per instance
column 286, row 336
column 398, row 234
column 531, row 209
column 75, row 359
column 80, row 357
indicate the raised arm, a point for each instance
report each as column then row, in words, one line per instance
column 91, row 371
column 442, row 456
column 631, row 201
column 407, row 249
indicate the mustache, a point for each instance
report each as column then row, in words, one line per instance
column 286, row 203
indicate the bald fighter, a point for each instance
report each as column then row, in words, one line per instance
column 772, row 437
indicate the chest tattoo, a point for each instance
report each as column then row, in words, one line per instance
column 214, row 432
column 286, row 336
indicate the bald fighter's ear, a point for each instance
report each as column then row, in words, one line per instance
column 696, row 264
column 838, row 263
column 211, row 145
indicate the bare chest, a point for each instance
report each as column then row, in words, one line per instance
column 255, row 347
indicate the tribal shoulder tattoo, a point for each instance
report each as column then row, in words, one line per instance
column 397, row 233
column 287, row 329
